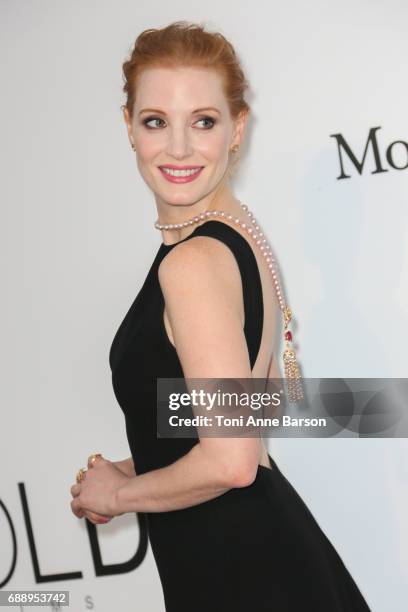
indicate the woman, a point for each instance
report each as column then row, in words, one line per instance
column 228, row 531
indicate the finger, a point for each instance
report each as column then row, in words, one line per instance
column 96, row 515
column 81, row 474
column 76, row 508
column 75, row 490
column 97, row 519
column 93, row 459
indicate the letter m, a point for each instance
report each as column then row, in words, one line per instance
column 342, row 146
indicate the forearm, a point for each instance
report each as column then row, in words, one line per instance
column 191, row 480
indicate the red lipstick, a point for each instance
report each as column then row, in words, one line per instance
column 172, row 167
column 180, row 179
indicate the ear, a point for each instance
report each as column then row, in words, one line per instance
column 239, row 129
column 128, row 122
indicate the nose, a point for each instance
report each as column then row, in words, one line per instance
column 179, row 144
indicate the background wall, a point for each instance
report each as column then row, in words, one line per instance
column 77, row 238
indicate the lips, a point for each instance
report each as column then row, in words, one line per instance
column 171, row 167
column 180, row 179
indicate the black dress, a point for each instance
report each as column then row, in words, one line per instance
column 253, row 549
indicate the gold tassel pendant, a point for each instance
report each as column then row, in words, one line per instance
column 290, row 364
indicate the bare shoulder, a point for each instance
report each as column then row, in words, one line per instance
column 199, row 260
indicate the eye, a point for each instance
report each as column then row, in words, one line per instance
column 213, row 122
column 147, row 121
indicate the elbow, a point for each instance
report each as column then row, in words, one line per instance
column 241, row 476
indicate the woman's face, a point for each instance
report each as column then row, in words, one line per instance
column 181, row 119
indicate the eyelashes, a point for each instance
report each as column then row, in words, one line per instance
column 149, row 119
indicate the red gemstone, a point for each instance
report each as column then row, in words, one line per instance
column 288, row 336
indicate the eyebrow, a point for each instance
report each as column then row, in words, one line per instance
column 197, row 110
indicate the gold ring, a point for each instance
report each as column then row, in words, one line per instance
column 80, row 475
column 94, row 457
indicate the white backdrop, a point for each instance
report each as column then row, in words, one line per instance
column 77, row 238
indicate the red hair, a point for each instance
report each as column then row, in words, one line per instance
column 190, row 45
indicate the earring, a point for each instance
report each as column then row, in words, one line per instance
column 235, row 148
column 133, row 147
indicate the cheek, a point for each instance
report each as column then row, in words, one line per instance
column 148, row 146
column 146, row 149
column 214, row 147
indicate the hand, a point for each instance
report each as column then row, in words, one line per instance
column 95, row 496
column 126, row 466
column 93, row 517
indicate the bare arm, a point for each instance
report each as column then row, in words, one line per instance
column 202, row 288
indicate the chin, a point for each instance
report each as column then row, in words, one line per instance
column 181, row 199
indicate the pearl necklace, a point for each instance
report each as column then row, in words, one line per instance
column 291, row 366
